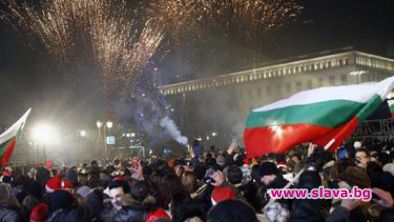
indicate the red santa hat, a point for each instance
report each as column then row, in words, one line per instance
column 158, row 214
column 282, row 164
column 53, row 184
column 39, row 213
column 67, row 184
column 220, row 194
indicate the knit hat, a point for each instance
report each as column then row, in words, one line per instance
column 67, row 184
column 389, row 168
column 232, row 211
column 53, row 184
column 357, row 145
column 355, row 176
column 220, row 194
column 234, row 174
column 268, row 168
column 158, row 214
column 84, row 191
column 39, row 213
column 5, row 193
column 61, row 199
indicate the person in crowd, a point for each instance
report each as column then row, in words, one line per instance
column 116, row 190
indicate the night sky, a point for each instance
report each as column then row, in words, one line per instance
column 30, row 77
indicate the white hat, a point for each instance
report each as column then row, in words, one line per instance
column 357, row 144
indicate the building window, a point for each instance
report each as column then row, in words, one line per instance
column 309, row 84
column 250, row 93
column 321, row 82
column 288, row 87
column 278, row 90
column 299, row 86
column 343, row 79
column 331, row 80
column 259, row 94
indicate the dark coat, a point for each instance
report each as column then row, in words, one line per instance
column 9, row 215
column 86, row 212
column 132, row 211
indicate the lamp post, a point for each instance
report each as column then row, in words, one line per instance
column 108, row 125
column 42, row 134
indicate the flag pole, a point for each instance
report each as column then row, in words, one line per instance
column 297, row 176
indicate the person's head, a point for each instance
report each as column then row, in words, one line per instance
column 189, row 182
column 225, row 212
column 362, row 157
column 234, row 174
column 296, row 158
column 139, row 191
column 268, row 172
column 116, row 191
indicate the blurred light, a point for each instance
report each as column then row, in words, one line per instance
column 82, row 133
column 99, row 124
column 359, row 72
column 207, row 137
column 128, row 135
column 214, row 133
column 199, row 138
column 132, row 134
column 172, row 109
column 123, row 134
column 109, row 124
column 43, row 133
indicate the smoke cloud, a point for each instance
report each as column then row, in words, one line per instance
column 171, row 128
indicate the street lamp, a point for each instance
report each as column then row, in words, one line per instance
column 82, row 133
column 109, row 124
column 132, row 134
column 99, row 124
column 43, row 133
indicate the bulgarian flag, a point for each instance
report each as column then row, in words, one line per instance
column 9, row 138
column 316, row 116
column 391, row 106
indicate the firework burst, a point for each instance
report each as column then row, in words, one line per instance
column 234, row 17
column 96, row 32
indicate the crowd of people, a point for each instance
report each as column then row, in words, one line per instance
column 211, row 185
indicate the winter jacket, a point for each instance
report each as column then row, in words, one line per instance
column 308, row 209
column 86, row 212
column 132, row 211
column 340, row 214
column 9, row 215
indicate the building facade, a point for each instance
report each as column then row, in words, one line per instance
column 219, row 105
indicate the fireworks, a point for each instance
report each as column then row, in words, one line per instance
column 97, row 32
column 234, row 17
